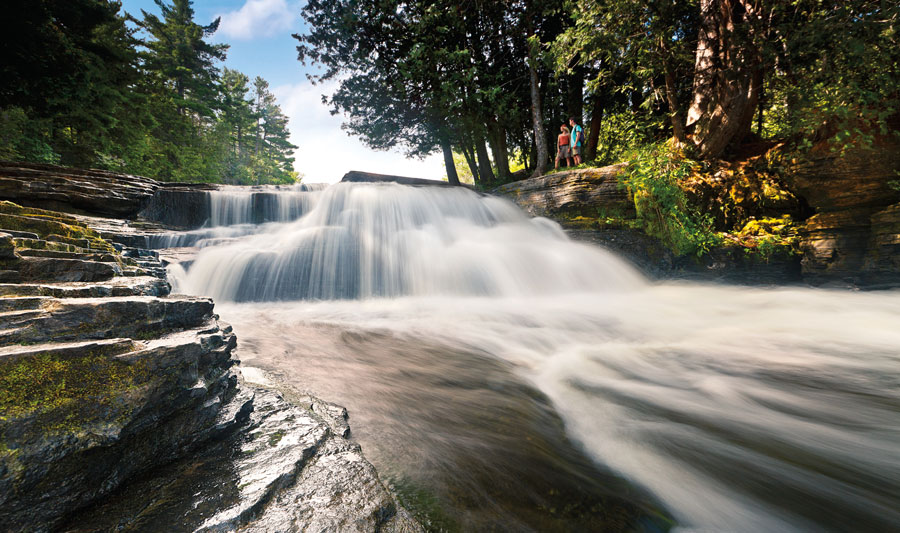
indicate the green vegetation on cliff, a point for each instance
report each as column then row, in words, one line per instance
column 83, row 87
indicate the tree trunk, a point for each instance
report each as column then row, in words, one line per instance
column 727, row 76
column 675, row 114
column 497, row 142
column 484, row 162
column 590, row 151
column 575, row 96
column 452, row 176
column 470, row 159
column 537, row 118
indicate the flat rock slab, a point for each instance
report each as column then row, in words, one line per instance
column 356, row 176
column 118, row 286
column 285, row 470
column 585, row 192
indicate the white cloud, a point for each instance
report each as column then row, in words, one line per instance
column 326, row 152
column 258, row 18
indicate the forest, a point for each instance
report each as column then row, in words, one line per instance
column 487, row 84
column 493, row 81
column 87, row 85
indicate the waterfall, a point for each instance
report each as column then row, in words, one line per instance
column 388, row 240
column 231, row 206
column 739, row 409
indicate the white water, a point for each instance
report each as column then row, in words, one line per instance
column 740, row 409
column 362, row 241
column 230, row 206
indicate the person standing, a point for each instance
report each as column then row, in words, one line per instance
column 563, row 151
column 577, row 140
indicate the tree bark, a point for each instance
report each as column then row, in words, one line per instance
column 484, row 162
column 470, row 160
column 497, row 142
column 590, row 151
column 537, row 118
column 727, row 76
column 452, row 176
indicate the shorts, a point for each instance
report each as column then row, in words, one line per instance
column 563, row 153
column 576, row 150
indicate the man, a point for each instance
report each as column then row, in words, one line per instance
column 577, row 140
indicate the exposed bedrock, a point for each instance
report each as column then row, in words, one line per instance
column 589, row 192
column 120, row 407
column 67, row 189
column 357, row 176
column 855, row 234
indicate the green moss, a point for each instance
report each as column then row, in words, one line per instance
column 45, row 382
column 45, row 223
column 276, row 437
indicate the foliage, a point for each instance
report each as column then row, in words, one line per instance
column 652, row 178
column 82, row 89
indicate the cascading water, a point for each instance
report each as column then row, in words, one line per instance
column 388, row 240
column 430, row 312
column 230, row 206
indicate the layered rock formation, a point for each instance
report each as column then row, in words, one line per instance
column 855, row 234
column 109, row 385
column 69, row 189
column 567, row 195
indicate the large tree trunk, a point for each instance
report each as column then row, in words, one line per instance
column 497, row 142
column 727, row 76
column 452, row 176
column 470, row 160
column 484, row 162
column 540, row 137
column 575, row 94
column 590, row 151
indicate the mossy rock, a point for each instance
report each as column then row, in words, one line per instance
column 45, row 382
column 50, row 223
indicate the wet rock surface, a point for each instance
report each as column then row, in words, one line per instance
column 118, row 400
column 285, row 469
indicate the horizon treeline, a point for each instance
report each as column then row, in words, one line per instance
column 87, row 85
column 493, row 81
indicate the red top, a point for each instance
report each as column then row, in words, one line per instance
column 563, row 139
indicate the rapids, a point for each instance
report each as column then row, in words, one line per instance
column 431, row 314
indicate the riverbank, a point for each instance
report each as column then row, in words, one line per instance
column 827, row 217
column 121, row 405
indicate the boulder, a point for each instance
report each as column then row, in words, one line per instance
column 589, row 192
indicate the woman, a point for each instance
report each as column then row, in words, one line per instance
column 562, row 147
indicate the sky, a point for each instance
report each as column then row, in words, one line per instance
column 259, row 33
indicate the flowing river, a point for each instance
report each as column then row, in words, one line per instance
column 503, row 377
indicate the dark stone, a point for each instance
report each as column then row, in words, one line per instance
column 68, row 270
column 730, row 265
column 356, row 176
column 280, row 472
column 70, row 189
column 61, row 457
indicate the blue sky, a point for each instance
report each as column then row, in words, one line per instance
column 259, row 32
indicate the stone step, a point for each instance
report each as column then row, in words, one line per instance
column 43, row 244
column 119, row 286
column 57, row 269
column 99, row 257
column 128, row 316
column 105, row 347
column 19, row 321
column 21, row 303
